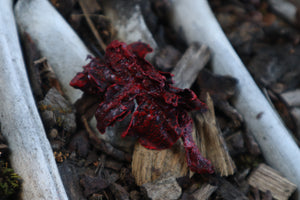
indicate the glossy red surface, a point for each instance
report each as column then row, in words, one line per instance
column 126, row 84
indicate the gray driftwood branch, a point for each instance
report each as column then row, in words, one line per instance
column 31, row 155
column 53, row 36
column 197, row 23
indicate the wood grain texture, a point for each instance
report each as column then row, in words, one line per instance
column 267, row 179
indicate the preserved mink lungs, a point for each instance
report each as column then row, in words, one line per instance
column 125, row 84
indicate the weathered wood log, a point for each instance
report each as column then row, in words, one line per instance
column 32, row 157
column 55, row 39
column 197, row 23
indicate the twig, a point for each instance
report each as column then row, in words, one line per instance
column 91, row 25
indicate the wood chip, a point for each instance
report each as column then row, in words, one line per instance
column 149, row 165
column 205, row 191
column 212, row 144
column 166, row 58
column 286, row 9
column 292, row 98
column 265, row 178
column 163, row 189
column 126, row 17
column 221, row 89
column 119, row 192
column 189, row 66
column 227, row 191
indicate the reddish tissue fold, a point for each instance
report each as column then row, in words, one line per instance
column 128, row 84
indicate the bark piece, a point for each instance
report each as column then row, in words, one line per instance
column 105, row 146
column 236, row 143
column 221, row 89
column 134, row 195
column 70, row 175
column 276, row 64
column 205, row 191
column 31, row 154
column 227, row 191
column 119, row 192
column 197, row 23
column 292, row 98
column 166, row 58
column 127, row 19
column 286, row 9
column 212, row 144
column 267, row 179
column 61, row 108
column 32, row 54
column 80, row 144
column 251, row 144
column 163, row 189
column 113, row 164
column 47, row 76
column 190, row 64
column 93, row 184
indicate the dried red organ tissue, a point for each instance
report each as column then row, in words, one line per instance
column 128, row 84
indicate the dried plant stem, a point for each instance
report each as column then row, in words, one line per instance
column 91, row 25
